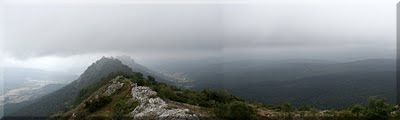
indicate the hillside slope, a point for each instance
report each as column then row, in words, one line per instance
column 301, row 82
column 121, row 97
column 331, row 85
column 64, row 97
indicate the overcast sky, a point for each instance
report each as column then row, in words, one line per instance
column 63, row 35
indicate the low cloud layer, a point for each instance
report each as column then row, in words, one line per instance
column 311, row 28
column 142, row 29
column 320, row 29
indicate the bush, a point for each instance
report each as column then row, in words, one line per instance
column 122, row 108
column 94, row 105
column 166, row 92
column 357, row 109
column 304, row 108
column 314, row 112
column 377, row 109
column 138, row 76
column 236, row 111
column 151, row 79
column 219, row 96
column 345, row 114
column 288, row 109
column 141, row 82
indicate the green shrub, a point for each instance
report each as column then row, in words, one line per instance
column 314, row 112
column 151, row 79
column 377, row 109
column 288, row 109
column 94, row 105
column 123, row 107
column 219, row 96
column 304, row 108
column 83, row 94
column 235, row 111
column 138, row 76
column 357, row 109
column 141, row 82
column 167, row 92
column 345, row 114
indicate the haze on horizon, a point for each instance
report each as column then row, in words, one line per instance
column 64, row 37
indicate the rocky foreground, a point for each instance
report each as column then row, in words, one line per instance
column 153, row 107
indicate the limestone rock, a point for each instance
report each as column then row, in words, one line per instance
column 113, row 87
column 153, row 107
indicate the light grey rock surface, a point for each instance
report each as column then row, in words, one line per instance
column 113, row 87
column 153, row 107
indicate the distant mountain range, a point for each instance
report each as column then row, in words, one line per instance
column 321, row 83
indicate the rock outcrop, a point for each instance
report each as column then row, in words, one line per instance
column 113, row 87
column 153, row 107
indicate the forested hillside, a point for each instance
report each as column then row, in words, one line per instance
column 327, row 84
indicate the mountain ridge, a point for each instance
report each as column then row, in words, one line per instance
column 65, row 96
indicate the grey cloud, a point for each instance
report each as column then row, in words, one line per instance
column 154, row 29
column 189, row 30
column 282, row 29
